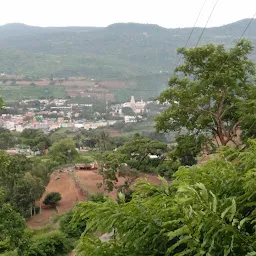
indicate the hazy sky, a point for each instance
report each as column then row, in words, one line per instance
column 166, row 13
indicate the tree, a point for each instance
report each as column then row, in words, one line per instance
column 127, row 111
column 52, row 199
column 23, row 181
column 103, row 141
column 7, row 140
column 206, row 91
column 36, row 139
column 26, row 191
column 53, row 243
column 189, row 146
column 12, row 227
column 71, row 228
column 206, row 210
column 63, row 151
column 128, row 160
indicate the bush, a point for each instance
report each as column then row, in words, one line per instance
column 52, row 199
column 71, row 228
column 98, row 197
column 54, row 243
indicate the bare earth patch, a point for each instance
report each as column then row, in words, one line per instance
column 73, row 187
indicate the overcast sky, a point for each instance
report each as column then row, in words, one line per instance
column 166, row 13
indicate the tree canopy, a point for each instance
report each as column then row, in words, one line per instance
column 52, row 199
column 140, row 154
column 206, row 91
column 63, row 151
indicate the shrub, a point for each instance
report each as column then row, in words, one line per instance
column 54, row 243
column 98, row 197
column 71, row 228
column 52, row 199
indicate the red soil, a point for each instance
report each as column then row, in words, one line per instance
column 73, row 187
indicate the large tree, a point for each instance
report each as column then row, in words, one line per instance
column 63, row 151
column 206, row 91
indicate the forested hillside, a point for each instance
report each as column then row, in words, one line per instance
column 117, row 51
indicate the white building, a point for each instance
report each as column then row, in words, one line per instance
column 137, row 107
column 130, row 119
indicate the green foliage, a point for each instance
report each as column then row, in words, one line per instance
column 71, row 228
column 54, row 243
column 52, row 199
column 23, row 181
column 127, row 111
column 137, row 153
column 10, row 253
column 207, row 209
column 189, row 147
column 36, row 139
column 63, row 151
column 206, row 91
column 247, row 113
column 7, row 140
column 26, row 191
column 98, row 197
column 84, row 158
column 12, row 227
column 103, row 141
column 130, row 159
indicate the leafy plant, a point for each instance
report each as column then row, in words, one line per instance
column 206, row 210
column 52, row 199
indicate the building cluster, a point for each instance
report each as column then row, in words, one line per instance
column 19, row 123
column 137, row 109
column 49, row 115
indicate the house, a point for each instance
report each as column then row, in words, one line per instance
column 130, row 119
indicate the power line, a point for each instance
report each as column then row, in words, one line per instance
column 207, row 22
column 193, row 28
column 248, row 25
column 228, row 58
column 195, row 23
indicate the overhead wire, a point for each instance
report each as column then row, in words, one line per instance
column 193, row 28
column 190, row 34
column 197, row 18
column 207, row 22
column 244, row 31
column 248, row 25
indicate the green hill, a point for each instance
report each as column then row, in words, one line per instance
column 119, row 51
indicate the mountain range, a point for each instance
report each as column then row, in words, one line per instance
column 143, row 52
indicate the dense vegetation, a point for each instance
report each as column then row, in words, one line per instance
column 120, row 50
column 206, row 210
column 200, row 208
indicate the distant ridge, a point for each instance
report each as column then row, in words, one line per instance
column 120, row 50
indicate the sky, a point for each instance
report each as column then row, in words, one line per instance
column 166, row 13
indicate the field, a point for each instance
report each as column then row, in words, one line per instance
column 15, row 88
column 74, row 187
